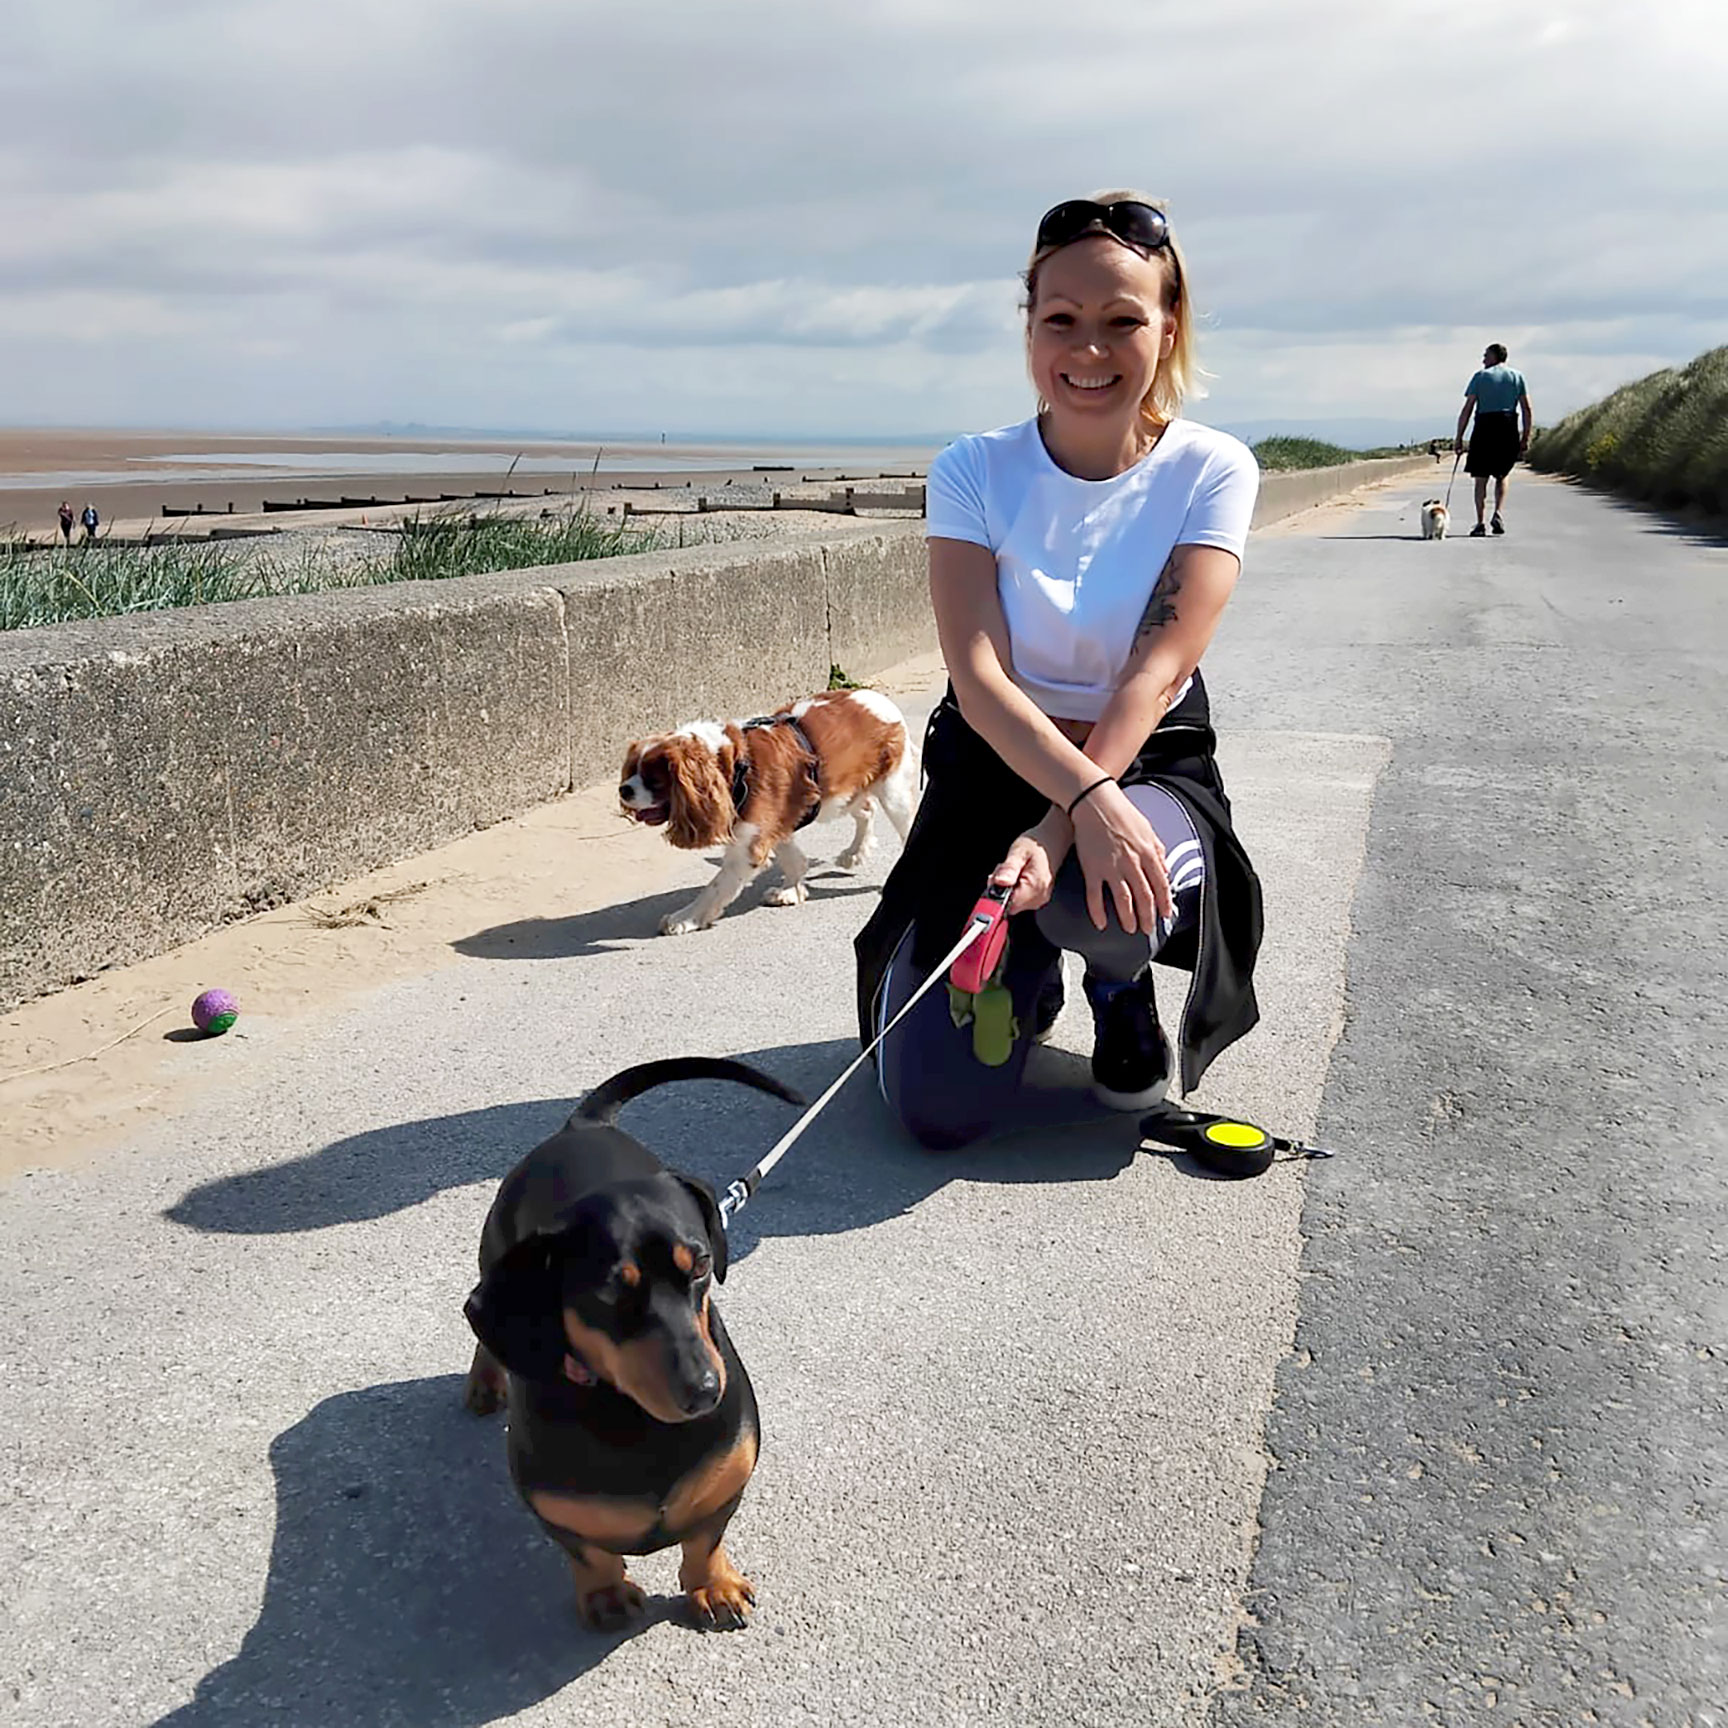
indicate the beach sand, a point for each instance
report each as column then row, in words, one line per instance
column 136, row 488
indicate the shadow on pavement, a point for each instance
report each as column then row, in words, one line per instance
column 852, row 1167
column 1696, row 526
column 611, row 927
column 406, row 1582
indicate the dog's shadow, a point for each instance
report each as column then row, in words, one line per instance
column 611, row 927
column 405, row 1583
column 853, row 1168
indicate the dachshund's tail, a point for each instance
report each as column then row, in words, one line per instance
column 610, row 1096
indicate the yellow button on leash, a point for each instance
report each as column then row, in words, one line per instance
column 1239, row 1136
column 1226, row 1145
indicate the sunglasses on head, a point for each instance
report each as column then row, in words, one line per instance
column 1128, row 220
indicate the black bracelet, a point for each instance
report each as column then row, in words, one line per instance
column 1079, row 797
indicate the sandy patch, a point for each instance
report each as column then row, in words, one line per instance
column 574, row 855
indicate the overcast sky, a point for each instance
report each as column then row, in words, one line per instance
column 754, row 217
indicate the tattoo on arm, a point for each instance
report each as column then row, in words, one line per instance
column 1161, row 608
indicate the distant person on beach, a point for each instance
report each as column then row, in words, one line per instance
column 91, row 522
column 1498, row 397
column 65, row 521
column 1080, row 562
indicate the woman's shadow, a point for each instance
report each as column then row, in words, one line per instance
column 406, row 1583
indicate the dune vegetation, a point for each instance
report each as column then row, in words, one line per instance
column 1282, row 453
column 1662, row 440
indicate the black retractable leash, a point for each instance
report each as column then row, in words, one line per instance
column 1226, row 1145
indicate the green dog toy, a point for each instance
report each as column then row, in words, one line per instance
column 990, row 1014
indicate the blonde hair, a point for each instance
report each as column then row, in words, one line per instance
column 1179, row 372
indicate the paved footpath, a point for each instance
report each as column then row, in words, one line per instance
column 1499, row 1492
column 1055, row 1432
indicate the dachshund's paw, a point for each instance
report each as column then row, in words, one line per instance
column 480, row 1397
column 787, row 894
column 723, row 1604
column 487, row 1385
column 612, row 1607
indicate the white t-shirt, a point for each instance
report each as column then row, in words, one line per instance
column 1076, row 559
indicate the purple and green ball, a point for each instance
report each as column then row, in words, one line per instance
column 214, row 1012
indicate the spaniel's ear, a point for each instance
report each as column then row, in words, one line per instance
column 699, row 794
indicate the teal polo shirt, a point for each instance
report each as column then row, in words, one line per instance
column 1496, row 389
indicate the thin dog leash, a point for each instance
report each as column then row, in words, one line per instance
column 1455, row 461
column 738, row 1192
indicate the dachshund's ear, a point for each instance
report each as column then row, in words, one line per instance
column 703, row 1195
column 517, row 1309
column 700, row 795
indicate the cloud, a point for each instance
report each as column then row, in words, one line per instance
column 766, row 212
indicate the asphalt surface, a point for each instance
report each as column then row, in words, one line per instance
column 1499, row 1493
column 1019, row 1404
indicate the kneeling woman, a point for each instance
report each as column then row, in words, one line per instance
column 1079, row 564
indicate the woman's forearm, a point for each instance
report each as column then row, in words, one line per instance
column 1026, row 738
column 1131, row 717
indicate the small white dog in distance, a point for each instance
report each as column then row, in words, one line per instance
column 1433, row 519
column 751, row 785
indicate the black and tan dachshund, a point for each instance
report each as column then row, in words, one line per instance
column 632, row 1424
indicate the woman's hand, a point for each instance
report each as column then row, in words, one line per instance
column 1033, row 861
column 1123, row 862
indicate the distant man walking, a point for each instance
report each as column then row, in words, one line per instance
column 65, row 521
column 1498, row 397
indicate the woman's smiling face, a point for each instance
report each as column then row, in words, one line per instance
column 1098, row 329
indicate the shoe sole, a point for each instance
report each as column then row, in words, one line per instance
column 1129, row 1101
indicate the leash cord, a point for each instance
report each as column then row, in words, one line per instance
column 1454, row 475
column 738, row 1192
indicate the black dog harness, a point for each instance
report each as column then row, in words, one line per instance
column 741, row 772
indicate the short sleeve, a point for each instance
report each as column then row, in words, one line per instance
column 954, row 496
column 1474, row 387
column 1222, row 508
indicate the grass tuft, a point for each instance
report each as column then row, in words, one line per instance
column 40, row 587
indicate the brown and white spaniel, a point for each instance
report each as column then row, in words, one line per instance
column 750, row 785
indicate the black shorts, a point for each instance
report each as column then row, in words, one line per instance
column 1493, row 446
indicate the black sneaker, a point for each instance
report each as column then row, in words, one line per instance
column 1131, row 1062
column 1496, row 524
column 1048, row 1006
column 1478, row 532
